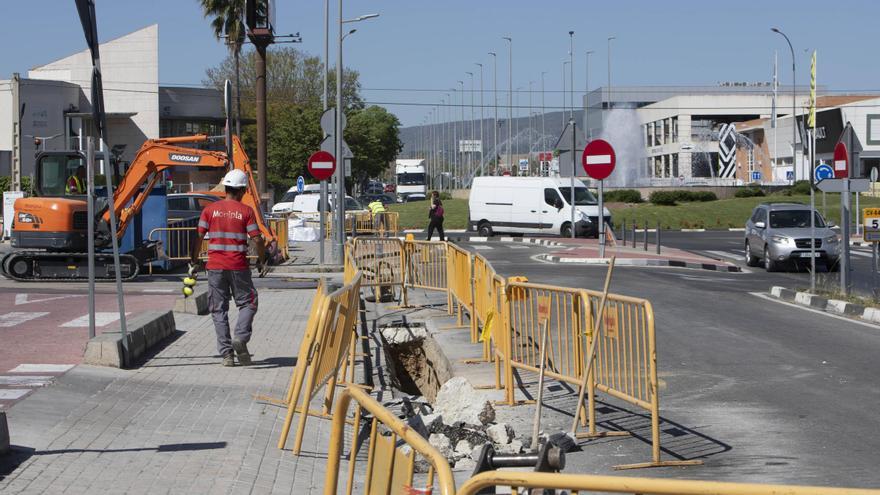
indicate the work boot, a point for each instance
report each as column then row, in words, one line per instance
column 244, row 357
column 228, row 360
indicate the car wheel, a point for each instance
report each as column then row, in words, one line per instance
column 751, row 260
column 566, row 230
column 485, row 229
column 769, row 264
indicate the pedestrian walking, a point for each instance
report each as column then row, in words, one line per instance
column 435, row 216
column 229, row 224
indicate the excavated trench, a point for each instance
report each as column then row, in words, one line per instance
column 416, row 364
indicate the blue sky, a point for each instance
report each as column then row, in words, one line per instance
column 420, row 44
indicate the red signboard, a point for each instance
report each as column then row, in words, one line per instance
column 841, row 161
column 322, row 165
column 599, row 159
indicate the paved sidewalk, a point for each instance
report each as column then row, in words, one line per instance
column 180, row 423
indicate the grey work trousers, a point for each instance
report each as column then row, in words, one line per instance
column 236, row 284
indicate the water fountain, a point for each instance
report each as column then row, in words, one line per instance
column 623, row 129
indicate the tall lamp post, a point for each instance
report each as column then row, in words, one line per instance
column 458, row 150
column 495, row 104
column 564, row 92
column 609, row 70
column 793, row 106
column 543, row 111
column 588, row 130
column 571, row 74
column 471, row 153
column 509, row 101
column 481, row 117
column 340, row 162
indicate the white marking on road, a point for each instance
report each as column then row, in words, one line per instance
column 705, row 279
column 798, row 306
column 41, row 368
column 26, row 298
column 725, row 254
column 101, row 318
column 481, row 247
column 158, row 291
column 18, row 317
column 598, row 160
column 860, row 253
column 25, row 381
column 520, row 247
column 13, row 393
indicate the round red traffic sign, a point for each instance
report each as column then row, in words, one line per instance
column 841, row 161
column 598, row 159
column 322, row 165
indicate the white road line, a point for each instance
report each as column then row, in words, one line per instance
column 158, row 291
column 13, row 393
column 725, row 254
column 18, row 317
column 860, row 253
column 101, row 318
column 41, row 368
column 798, row 306
column 482, row 247
column 30, row 298
column 519, row 247
column 25, row 381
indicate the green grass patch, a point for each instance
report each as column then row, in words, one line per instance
column 415, row 215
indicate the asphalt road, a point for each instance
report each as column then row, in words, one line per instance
column 772, row 392
column 729, row 246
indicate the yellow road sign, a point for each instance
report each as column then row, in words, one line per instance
column 871, row 217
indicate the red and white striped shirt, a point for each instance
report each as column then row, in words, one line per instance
column 228, row 224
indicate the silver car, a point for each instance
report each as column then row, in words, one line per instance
column 779, row 233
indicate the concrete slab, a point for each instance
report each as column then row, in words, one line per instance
column 196, row 304
column 145, row 330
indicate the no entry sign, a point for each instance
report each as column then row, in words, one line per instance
column 599, row 159
column 322, row 165
column 841, row 161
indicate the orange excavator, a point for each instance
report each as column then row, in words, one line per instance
column 49, row 231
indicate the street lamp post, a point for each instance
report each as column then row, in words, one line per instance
column 471, row 153
column 588, row 130
column 571, row 73
column 458, row 149
column 509, row 101
column 543, row 111
column 564, row 92
column 793, row 106
column 481, row 118
column 609, row 70
column 495, row 100
column 340, row 162
column 530, row 122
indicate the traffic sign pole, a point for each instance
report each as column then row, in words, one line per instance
column 598, row 161
column 323, row 217
column 573, row 151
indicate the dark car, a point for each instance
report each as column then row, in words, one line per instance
column 386, row 199
column 188, row 205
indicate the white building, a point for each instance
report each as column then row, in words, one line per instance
column 54, row 103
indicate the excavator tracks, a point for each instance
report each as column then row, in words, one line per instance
column 44, row 266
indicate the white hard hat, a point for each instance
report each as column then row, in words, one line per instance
column 235, row 178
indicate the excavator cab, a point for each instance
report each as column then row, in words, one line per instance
column 60, row 174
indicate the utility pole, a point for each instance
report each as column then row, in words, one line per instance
column 564, row 93
column 571, row 74
column 482, row 157
column 609, row 71
column 495, row 154
column 794, row 174
column 543, row 111
column 509, row 102
column 471, row 153
column 587, row 128
column 261, row 116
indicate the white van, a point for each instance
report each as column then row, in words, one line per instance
column 534, row 205
column 285, row 206
column 304, row 204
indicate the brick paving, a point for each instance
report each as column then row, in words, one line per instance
column 180, row 423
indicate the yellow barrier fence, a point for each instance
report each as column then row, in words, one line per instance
column 388, row 468
column 279, row 227
column 365, row 223
column 325, row 346
column 521, row 482
column 381, row 261
column 426, row 265
column 459, row 277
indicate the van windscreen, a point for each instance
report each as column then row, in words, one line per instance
column 582, row 196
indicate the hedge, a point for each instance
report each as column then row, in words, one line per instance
column 623, row 196
column 670, row 198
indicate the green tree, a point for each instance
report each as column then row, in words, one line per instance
column 294, row 134
column 374, row 137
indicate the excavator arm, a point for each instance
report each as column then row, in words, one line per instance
column 158, row 155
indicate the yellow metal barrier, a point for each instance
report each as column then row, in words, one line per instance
column 389, row 469
column 426, row 265
column 460, row 279
column 328, row 337
column 381, row 261
column 577, row 483
column 279, row 227
column 365, row 223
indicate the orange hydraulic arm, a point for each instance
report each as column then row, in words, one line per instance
column 157, row 155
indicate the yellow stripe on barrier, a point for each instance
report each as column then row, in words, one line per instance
column 426, row 265
column 575, row 483
column 389, row 468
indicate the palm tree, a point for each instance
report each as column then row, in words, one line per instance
column 227, row 23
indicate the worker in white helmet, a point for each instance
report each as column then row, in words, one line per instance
column 229, row 225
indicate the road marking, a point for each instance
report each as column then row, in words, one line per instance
column 101, row 318
column 13, row 393
column 519, row 247
column 18, row 317
column 25, row 381
column 41, row 368
column 26, row 298
column 705, row 279
column 158, row 291
column 798, row 306
column 725, row 254
column 481, row 247
column 860, row 253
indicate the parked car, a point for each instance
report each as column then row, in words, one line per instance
column 413, row 197
column 532, row 205
column 310, row 203
column 779, row 233
column 391, row 188
column 386, row 199
column 285, row 205
column 188, row 205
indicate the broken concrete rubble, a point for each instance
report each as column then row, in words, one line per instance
column 457, row 401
